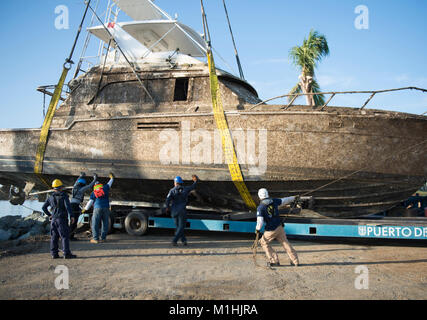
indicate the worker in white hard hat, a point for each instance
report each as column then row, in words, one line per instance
column 268, row 214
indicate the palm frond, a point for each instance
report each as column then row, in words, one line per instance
column 294, row 90
column 312, row 51
column 319, row 99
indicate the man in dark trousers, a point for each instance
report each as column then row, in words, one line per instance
column 60, row 209
column 79, row 190
column 176, row 203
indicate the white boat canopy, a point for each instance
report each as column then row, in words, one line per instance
column 153, row 31
column 142, row 10
column 159, row 36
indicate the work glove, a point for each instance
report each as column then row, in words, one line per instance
column 306, row 198
column 112, row 175
column 83, row 211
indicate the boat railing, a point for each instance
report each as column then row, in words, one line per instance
column 294, row 96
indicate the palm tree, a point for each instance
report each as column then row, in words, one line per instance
column 306, row 58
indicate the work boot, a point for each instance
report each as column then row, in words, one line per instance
column 70, row 256
column 55, row 256
column 185, row 243
column 273, row 264
column 94, row 241
column 174, row 244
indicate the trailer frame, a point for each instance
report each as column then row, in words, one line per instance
column 152, row 216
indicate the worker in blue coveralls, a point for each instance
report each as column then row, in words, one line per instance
column 60, row 209
column 176, row 203
column 100, row 199
column 268, row 213
column 79, row 190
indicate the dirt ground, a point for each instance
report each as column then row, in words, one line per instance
column 214, row 266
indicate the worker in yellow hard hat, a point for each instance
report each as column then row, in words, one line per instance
column 60, row 209
column 57, row 184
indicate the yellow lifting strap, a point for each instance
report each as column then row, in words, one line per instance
column 227, row 141
column 44, row 134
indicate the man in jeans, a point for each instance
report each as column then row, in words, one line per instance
column 101, row 213
column 176, row 203
column 268, row 213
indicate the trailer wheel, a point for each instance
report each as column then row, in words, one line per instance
column 136, row 224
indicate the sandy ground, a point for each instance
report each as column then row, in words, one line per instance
column 214, row 266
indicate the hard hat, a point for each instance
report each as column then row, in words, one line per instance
column 179, row 180
column 82, row 181
column 263, row 194
column 57, row 183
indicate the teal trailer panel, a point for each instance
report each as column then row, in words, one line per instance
column 358, row 231
column 341, row 230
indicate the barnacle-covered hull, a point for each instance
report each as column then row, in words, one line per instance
column 378, row 157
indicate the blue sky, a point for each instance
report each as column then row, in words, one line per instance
column 390, row 54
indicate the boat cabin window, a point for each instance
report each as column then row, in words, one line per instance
column 181, row 89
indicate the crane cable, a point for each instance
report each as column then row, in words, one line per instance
column 222, row 125
column 44, row 133
column 239, row 65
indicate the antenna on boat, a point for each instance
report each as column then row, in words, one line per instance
column 239, row 65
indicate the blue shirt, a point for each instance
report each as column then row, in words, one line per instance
column 103, row 202
column 269, row 210
column 177, row 199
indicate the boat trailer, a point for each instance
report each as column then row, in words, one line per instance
column 138, row 220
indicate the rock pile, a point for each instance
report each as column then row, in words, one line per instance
column 20, row 228
column 4, row 192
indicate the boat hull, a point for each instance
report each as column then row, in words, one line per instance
column 361, row 164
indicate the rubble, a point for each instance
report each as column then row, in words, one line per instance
column 20, row 228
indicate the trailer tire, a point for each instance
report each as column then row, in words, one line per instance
column 136, row 224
